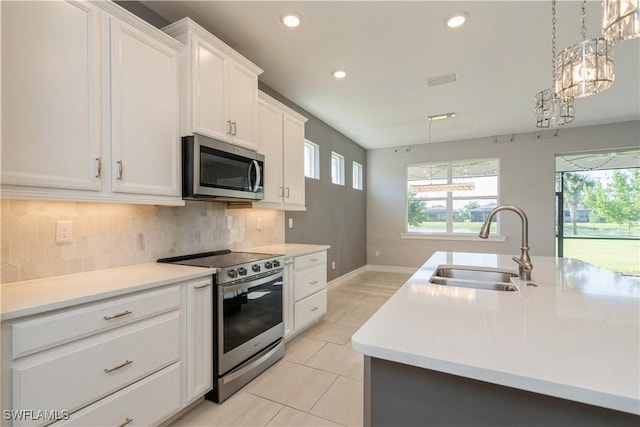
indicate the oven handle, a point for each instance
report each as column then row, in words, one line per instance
column 243, row 370
column 251, row 283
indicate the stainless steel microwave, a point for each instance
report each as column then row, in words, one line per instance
column 213, row 169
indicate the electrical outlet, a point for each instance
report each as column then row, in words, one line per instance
column 64, row 231
column 259, row 224
column 290, row 222
column 333, row 265
column 377, row 253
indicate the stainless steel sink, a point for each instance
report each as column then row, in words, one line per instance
column 474, row 277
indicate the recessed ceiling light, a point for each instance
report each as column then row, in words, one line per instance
column 291, row 20
column 457, row 19
column 339, row 73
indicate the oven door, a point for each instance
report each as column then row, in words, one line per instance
column 249, row 319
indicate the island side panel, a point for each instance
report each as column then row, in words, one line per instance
column 402, row 395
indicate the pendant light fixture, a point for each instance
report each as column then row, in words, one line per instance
column 551, row 109
column 585, row 68
column 621, row 19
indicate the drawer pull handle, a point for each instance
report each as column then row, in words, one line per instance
column 314, row 308
column 122, row 365
column 126, row 421
column 313, row 259
column 202, row 286
column 114, row 316
column 314, row 282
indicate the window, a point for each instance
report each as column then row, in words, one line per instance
column 337, row 168
column 357, row 176
column 311, row 160
column 451, row 197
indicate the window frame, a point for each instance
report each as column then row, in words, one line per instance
column 357, row 175
column 314, row 163
column 340, row 173
column 450, row 234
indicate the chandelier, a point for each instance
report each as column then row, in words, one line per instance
column 551, row 109
column 621, row 19
column 585, row 68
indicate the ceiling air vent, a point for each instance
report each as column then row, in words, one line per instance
column 440, row 80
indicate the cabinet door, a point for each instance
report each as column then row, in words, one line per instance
column 51, row 117
column 199, row 339
column 270, row 144
column 243, row 93
column 144, row 113
column 293, row 137
column 210, row 92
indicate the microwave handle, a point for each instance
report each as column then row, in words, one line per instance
column 256, row 184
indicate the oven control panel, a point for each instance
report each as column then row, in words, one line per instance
column 250, row 269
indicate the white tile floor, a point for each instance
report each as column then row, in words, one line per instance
column 319, row 382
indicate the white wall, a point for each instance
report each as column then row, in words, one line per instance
column 527, row 180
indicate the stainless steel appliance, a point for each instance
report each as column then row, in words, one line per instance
column 247, row 317
column 213, row 169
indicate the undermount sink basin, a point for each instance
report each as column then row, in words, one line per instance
column 474, row 277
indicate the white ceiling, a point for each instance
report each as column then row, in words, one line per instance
column 502, row 58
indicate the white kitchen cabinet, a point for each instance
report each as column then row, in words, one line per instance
column 281, row 140
column 220, row 87
column 199, row 333
column 92, row 112
column 145, row 130
column 309, row 289
column 51, row 102
column 141, row 357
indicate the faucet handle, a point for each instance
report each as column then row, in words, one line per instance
column 525, row 265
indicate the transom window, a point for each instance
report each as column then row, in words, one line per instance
column 357, row 176
column 451, row 197
column 311, row 160
column 337, row 168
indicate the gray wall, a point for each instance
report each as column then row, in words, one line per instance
column 336, row 215
column 527, row 168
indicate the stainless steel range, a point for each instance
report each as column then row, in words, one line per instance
column 247, row 315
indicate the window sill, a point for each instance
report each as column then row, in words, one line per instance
column 454, row 237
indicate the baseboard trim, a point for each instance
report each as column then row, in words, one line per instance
column 391, row 269
column 347, row 276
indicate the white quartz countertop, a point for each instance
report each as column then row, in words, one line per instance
column 576, row 335
column 288, row 249
column 18, row 299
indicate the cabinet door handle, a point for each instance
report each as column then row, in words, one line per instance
column 126, row 421
column 113, row 316
column 288, row 192
column 233, row 127
column 119, row 162
column 281, row 191
column 315, row 282
column 115, row 368
column 314, row 308
column 314, row 259
column 98, row 167
column 229, row 127
column 202, row 286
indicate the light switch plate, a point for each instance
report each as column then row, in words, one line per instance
column 290, row 222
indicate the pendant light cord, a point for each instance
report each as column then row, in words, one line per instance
column 583, row 18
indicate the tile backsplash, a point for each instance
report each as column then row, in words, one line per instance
column 115, row 235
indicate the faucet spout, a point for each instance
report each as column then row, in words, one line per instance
column 524, row 262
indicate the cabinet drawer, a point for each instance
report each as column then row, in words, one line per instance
column 310, row 309
column 72, row 376
column 145, row 403
column 318, row 258
column 309, row 281
column 44, row 332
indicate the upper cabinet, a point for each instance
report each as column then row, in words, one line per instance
column 220, row 87
column 92, row 112
column 281, row 140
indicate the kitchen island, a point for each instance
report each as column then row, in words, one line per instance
column 564, row 349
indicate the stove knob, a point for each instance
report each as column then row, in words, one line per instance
column 255, row 268
column 268, row 264
column 232, row 273
column 242, row 271
column 276, row 264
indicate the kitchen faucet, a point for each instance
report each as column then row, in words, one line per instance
column 524, row 262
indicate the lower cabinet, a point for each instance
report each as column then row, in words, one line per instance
column 130, row 360
column 306, row 291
